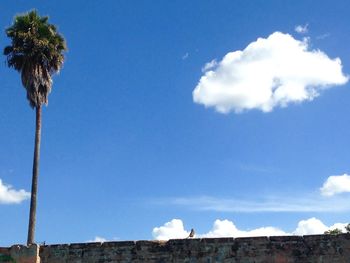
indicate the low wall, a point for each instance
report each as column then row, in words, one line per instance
column 289, row 249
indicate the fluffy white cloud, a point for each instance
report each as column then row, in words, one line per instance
column 341, row 226
column 310, row 226
column 225, row 228
column 268, row 73
column 314, row 226
column 8, row 195
column 336, row 184
column 302, row 29
column 221, row 228
column 172, row 229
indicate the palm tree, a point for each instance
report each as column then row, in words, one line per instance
column 36, row 52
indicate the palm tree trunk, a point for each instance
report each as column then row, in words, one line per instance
column 32, row 212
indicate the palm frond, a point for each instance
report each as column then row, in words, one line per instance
column 36, row 51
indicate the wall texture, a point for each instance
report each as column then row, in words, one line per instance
column 20, row 254
column 290, row 249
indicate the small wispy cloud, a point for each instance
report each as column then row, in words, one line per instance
column 185, row 56
column 323, row 36
column 271, row 204
column 301, row 29
column 102, row 239
column 336, row 184
column 328, row 199
column 8, row 195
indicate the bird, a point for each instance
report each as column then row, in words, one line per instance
column 192, row 233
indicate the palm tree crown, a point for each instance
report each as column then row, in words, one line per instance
column 36, row 52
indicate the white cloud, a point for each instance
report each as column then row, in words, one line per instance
column 209, row 65
column 8, row 195
column 341, row 226
column 226, row 228
column 310, row 226
column 98, row 239
column 102, row 239
column 301, row 29
column 222, row 228
column 313, row 226
column 172, row 229
column 185, row 56
column 336, row 184
column 268, row 73
column 323, row 36
column 271, row 204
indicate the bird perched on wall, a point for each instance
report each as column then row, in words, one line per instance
column 192, row 233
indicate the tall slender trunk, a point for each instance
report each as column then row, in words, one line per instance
column 32, row 212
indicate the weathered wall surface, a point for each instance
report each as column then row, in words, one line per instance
column 291, row 249
column 20, row 254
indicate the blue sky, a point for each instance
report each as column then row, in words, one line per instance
column 128, row 147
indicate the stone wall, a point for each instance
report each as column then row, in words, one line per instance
column 20, row 254
column 290, row 249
